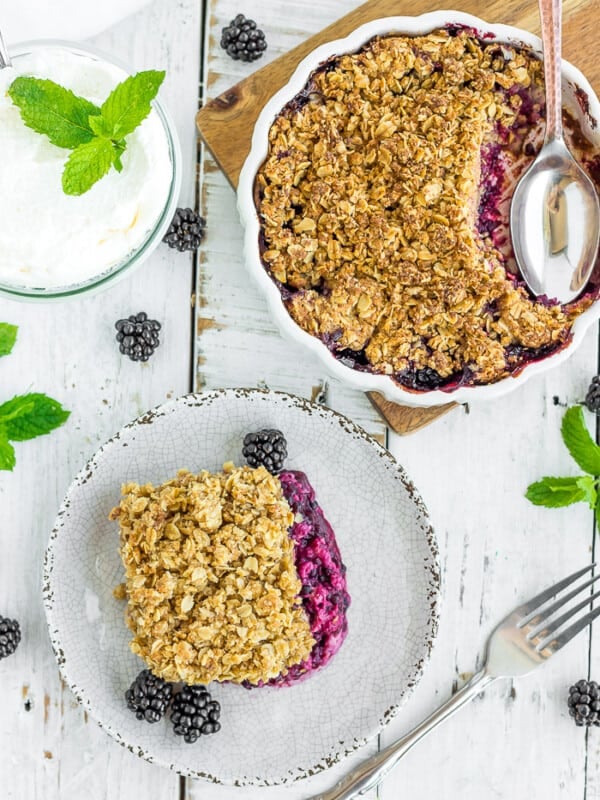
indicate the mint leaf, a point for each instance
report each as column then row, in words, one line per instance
column 129, row 103
column 7, row 454
column 579, row 443
column 587, row 484
column 100, row 126
column 86, row 165
column 556, row 492
column 8, row 337
column 50, row 109
column 30, row 415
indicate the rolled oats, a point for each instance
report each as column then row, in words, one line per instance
column 369, row 201
column 210, row 579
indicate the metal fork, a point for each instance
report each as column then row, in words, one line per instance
column 528, row 636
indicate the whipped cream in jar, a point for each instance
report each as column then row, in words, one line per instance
column 56, row 245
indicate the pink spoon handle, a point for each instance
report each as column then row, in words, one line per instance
column 551, row 17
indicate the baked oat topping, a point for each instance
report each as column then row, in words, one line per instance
column 210, row 579
column 379, row 203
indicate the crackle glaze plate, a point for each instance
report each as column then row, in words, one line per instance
column 269, row 735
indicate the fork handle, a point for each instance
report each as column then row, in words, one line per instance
column 374, row 769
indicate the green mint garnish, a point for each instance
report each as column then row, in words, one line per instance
column 8, row 337
column 557, row 492
column 95, row 135
column 86, row 165
column 128, row 104
column 583, row 449
column 29, row 415
column 26, row 416
column 48, row 108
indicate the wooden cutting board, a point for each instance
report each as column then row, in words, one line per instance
column 226, row 122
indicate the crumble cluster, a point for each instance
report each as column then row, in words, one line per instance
column 368, row 202
column 210, row 579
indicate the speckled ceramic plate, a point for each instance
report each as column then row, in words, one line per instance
column 269, row 735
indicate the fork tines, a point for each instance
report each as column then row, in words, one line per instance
column 537, row 617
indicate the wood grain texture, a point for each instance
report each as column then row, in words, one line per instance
column 237, row 343
column 226, row 122
column 50, row 749
column 403, row 419
column 517, row 741
column 237, row 108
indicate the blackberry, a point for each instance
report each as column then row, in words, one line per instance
column 266, row 448
column 592, row 398
column 584, row 703
column 422, row 379
column 138, row 336
column 243, row 40
column 186, row 230
column 10, row 636
column 428, row 378
column 149, row 696
column 195, row 713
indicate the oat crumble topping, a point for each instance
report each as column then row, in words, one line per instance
column 369, row 202
column 210, row 579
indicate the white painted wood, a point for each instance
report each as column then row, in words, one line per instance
column 53, row 752
column 237, row 343
column 497, row 550
column 472, row 470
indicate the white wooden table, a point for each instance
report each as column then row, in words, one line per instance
column 471, row 468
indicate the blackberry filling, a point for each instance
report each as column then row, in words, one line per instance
column 320, row 568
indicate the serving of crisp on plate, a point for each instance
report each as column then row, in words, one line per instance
column 272, row 734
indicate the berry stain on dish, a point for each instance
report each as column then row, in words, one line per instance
column 230, row 577
column 383, row 206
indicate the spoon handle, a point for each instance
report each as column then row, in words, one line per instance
column 551, row 17
column 4, row 57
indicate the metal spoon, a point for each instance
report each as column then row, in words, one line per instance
column 555, row 213
column 4, row 57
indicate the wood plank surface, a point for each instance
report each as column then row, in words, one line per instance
column 226, row 121
column 236, row 109
column 515, row 742
column 49, row 748
column 472, row 469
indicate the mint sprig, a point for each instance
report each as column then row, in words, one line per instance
column 554, row 492
column 95, row 135
column 25, row 416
